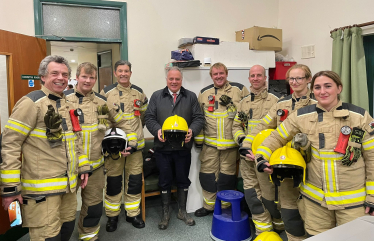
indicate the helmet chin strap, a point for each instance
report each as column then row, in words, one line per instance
column 111, row 155
column 174, row 142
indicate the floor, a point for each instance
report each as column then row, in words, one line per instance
column 176, row 230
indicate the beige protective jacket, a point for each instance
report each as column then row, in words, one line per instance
column 43, row 170
column 255, row 106
column 328, row 181
column 272, row 120
column 217, row 131
column 92, row 136
column 124, row 97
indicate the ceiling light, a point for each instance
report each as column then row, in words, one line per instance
column 73, row 60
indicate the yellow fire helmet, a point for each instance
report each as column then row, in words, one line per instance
column 268, row 236
column 174, row 130
column 260, row 137
column 287, row 163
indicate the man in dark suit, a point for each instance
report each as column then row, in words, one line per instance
column 170, row 101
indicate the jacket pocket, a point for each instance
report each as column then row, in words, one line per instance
column 34, row 213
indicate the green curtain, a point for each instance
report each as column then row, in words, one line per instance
column 348, row 60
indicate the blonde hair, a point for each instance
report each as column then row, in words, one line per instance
column 88, row 69
column 308, row 73
column 218, row 65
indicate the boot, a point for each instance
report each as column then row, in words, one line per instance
column 136, row 221
column 166, row 199
column 182, row 213
column 111, row 225
column 202, row 212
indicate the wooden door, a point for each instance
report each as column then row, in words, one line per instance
column 24, row 54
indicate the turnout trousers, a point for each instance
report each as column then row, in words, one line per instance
column 133, row 167
column 319, row 219
column 260, row 198
column 50, row 218
column 217, row 173
column 92, row 206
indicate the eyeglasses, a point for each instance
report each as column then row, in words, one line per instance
column 297, row 79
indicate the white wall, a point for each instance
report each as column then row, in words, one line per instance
column 310, row 22
column 155, row 26
column 17, row 16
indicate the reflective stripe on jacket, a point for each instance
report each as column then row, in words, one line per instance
column 329, row 182
column 89, row 121
column 124, row 97
column 255, row 106
column 43, row 170
column 272, row 120
column 217, row 131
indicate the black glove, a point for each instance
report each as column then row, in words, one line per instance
column 199, row 146
column 243, row 152
column 132, row 150
column 225, row 100
column 241, row 140
column 262, row 166
column 102, row 111
column 53, row 121
column 353, row 153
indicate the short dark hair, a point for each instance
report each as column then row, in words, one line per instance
column 121, row 62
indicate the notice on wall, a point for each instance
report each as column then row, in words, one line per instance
column 31, row 83
column 28, row 77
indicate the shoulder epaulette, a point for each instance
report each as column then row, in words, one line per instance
column 288, row 97
column 276, row 94
column 69, row 92
column 245, row 97
column 110, row 87
column 100, row 96
column 307, row 110
column 36, row 95
column 207, row 88
column 239, row 86
column 137, row 88
column 353, row 108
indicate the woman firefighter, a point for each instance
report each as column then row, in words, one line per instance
column 298, row 76
column 339, row 185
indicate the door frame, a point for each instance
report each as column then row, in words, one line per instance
column 10, row 83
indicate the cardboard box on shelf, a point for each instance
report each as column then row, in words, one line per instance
column 260, row 38
column 205, row 40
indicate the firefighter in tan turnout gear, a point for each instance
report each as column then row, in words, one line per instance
column 94, row 122
column 133, row 103
column 340, row 175
column 251, row 110
column 219, row 102
column 45, row 182
column 299, row 76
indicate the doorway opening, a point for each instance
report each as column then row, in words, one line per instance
column 102, row 55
